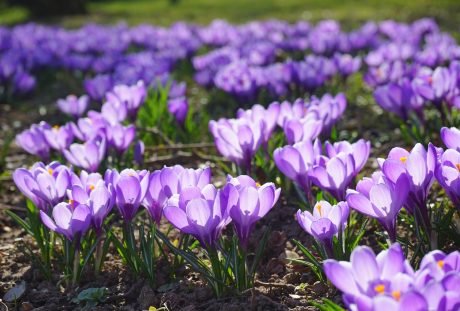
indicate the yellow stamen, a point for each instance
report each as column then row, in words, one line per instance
column 91, row 187
column 319, row 207
column 257, row 184
column 380, row 288
column 441, row 264
column 56, row 127
column 458, row 166
column 396, row 294
column 50, row 171
column 403, row 159
column 71, row 202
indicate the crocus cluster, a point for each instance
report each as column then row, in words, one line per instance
column 388, row 282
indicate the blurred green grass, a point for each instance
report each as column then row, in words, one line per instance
column 164, row 12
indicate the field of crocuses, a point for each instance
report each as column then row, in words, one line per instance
column 261, row 166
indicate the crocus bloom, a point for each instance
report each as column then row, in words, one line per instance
column 360, row 151
column 267, row 116
column 307, row 128
column 448, row 174
column 100, row 201
column 176, row 178
column 380, row 198
column 87, row 128
column 451, row 137
column 347, row 64
column 295, row 161
column 59, row 137
column 155, row 198
column 120, row 137
column 114, row 111
column 333, row 174
column 139, row 149
column 419, row 166
column 254, row 202
column 33, row 140
column 178, row 107
column 202, row 213
column 131, row 96
column 68, row 220
column 367, row 276
column 87, row 155
column 130, row 189
column 45, row 185
column 73, row 105
column 237, row 139
column 434, row 85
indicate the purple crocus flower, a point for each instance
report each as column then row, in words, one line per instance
column 178, row 107
column 155, row 198
column 333, row 174
column 237, row 139
column 90, row 127
column 360, row 151
column 434, row 85
column 87, row 181
column 447, row 173
column 419, row 166
column 347, row 64
column 45, row 185
column 87, row 155
column 380, row 198
column 59, row 137
column 68, row 220
column 114, row 111
column 202, row 213
column 33, row 140
column 130, row 189
column 98, row 86
column 139, row 149
column 367, row 276
column 326, row 221
column 267, row 116
column 295, row 161
column 254, row 202
column 176, row 178
column 307, row 128
column 73, row 105
column 131, row 96
column 451, row 137
column 100, row 201
column 120, row 137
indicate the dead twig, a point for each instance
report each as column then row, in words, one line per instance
column 181, row 147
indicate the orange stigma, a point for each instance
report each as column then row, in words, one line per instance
column 257, row 184
column 396, row 294
column 91, row 187
column 457, row 166
column 71, row 202
column 56, row 127
column 403, row 159
column 50, row 171
column 441, row 264
column 319, row 208
column 380, row 288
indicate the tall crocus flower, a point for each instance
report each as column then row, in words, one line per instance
column 325, row 222
column 100, row 201
column 254, row 202
column 295, row 161
column 120, row 137
column 451, row 137
column 45, row 185
column 237, row 139
column 367, row 275
column 380, row 198
column 131, row 96
column 176, row 178
column 68, row 220
column 419, row 166
column 87, row 128
column 73, row 106
column 178, row 107
column 447, row 173
column 130, row 189
column 33, row 140
column 267, row 116
column 307, row 128
column 59, row 137
column 155, row 198
column 87, row 155
column 360, row 151
column 333, row 174
column 202, row 213
column 114, row 111
column 434, row 85
column 347, row 64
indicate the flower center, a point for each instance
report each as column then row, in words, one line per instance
column 319, row 208
column 379, row 288
column 71, row 202
column 396, row 294
column 430, row 80
column 258, row 184
column 457, row 166
column 91, row 187
column 56, row 127
column 403, row 159
column 441, row 264
column 50, row 171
